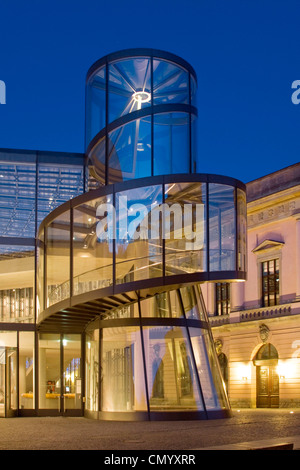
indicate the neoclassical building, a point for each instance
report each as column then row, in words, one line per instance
column 256, row 323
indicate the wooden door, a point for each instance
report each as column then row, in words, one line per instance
column 267, row 381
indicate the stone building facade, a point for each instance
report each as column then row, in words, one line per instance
column 256, row 323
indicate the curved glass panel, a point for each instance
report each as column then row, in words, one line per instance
column 138, row 242
column 96, row 104
column 129, row 151
column 91, row 370
column 193, row 91
column 191, row 303
column 242, row 230
column 222, row 226
column 40, row 274
column 170, row 83
column 129, row 86
column 213, row 388
column 141, row 85
column 171, row 376
column 92, row 247
column 58, row 259
column 185, row 242
column 122, row 380
column 164, row 305
column 171, row 143
column 17, row 267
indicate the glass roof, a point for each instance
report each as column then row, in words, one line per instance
column 22, row 188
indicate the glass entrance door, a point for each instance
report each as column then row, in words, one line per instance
column 72, row 379
column 8, row 382
column 60, row 375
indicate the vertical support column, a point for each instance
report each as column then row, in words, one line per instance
column 236, row 296
column 297, row 255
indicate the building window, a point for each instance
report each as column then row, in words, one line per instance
column 270, row 282
column 222, row 298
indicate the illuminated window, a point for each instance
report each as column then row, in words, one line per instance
column 222, row 298
column 270, row 282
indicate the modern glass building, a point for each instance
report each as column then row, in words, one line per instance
column 102, row 310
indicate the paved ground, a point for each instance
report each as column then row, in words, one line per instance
column 246, row 425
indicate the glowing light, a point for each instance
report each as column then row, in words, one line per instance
column 141, row 96
column 244, row 372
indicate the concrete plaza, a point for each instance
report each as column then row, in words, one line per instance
column 247, row 428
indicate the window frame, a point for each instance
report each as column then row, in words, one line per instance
column 276, row 278
column 220, row 301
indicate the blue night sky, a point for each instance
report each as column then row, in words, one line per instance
column 245, row 52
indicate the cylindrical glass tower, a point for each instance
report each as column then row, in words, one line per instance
column 123, row 263
column 140, row 116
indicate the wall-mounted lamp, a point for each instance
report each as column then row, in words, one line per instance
column 244, row 373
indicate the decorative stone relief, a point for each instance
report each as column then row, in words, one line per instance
column 264, row 333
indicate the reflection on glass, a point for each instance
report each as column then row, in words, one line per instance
column 92, row 251
column 171, row 143
column 95, row 98
column 191, row 303
column 58, row 259
column 193, row 91
column 128, row 311
column 49, row 371
column 172, row 381
column 129, row 86
column 8, row 372
column 16, row 283
column 185, row 247
column 26, row 370
column 129, row 151
column 72, row 372
column 221, row 228
column 122, row 380
column 57, row 183
column 92, row 370
column 208, row 369
column 138, row 243
column 164, row 305
column 242, row 230
column 40, row 274
column 17, row 194
column 97, row 164
column 170, row 83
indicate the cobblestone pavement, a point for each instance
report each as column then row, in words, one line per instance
column 61, row 433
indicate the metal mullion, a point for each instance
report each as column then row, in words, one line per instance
column 71, row 253
column 190, row 126
column 236, row 219
column 45, row 269
column 17, row 372
column 100, row 382
column 163, row 238
column 152, row 120
column 207, row 230
column 114, row 239
column 144, row 360
column 61, row 404
column 82, row 370
column 106, row 120
column 36, row 371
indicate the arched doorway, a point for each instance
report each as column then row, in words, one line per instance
column 267, row 380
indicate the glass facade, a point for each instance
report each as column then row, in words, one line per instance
column 102, row 254
column 109, row 237
column 140, row 115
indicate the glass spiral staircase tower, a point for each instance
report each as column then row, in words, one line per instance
column 123, row 263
